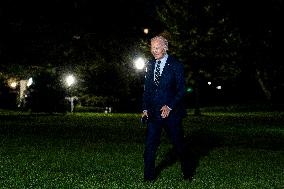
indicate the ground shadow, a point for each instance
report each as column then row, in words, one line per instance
column 197, row 145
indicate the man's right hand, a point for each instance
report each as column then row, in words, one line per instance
column 144, row 117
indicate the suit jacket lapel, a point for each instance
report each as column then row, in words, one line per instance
column 151, row 70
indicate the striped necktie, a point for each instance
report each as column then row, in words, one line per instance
column 157, row 73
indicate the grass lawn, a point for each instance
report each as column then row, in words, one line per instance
column 89, row 150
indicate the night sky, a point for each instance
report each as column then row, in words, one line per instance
column 84, row 15
column 24, row 23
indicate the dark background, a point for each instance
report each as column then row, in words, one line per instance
column 44, row 34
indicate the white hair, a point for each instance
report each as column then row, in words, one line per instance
column 163, row 40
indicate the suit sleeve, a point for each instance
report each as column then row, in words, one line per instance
column 146, row 90
column 180, row 86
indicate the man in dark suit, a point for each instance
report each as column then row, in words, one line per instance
column 164, row 89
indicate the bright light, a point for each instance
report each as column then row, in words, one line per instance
column 30, row 82
column 146, row 30
column 13, row 84
column 139, row 63
column 219, row 87
column 70, row 80
column 209, row 82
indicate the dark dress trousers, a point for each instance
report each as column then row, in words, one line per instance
column 170, row 92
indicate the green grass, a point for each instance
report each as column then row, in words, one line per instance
column 89, row 150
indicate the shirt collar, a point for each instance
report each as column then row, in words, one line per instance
column 164, row 59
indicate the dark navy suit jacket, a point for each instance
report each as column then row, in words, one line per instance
column 170, row 92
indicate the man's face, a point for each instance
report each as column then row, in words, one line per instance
column 158, row 49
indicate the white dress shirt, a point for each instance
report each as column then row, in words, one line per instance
column 162, row 64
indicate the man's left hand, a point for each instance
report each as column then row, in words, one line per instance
column 165, row 111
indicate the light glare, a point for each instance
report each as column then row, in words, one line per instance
column 70, row 80
column 13, row 84
column 139, row 63
column 146, row 30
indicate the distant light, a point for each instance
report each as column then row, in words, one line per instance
column 30, row 82
column 209, row 82
column 76, row 37
column 146, row 30
column 139, row 63
column 219, row 87
column 189, row 90
column 70, row 80
column 13, row 84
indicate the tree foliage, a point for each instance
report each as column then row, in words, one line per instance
column 226, row 42
column 202, row 36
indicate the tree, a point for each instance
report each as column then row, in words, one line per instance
column 47, row 94
column 71, row 36
column 202, row 36
column 262, row 37
column 228, row 42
